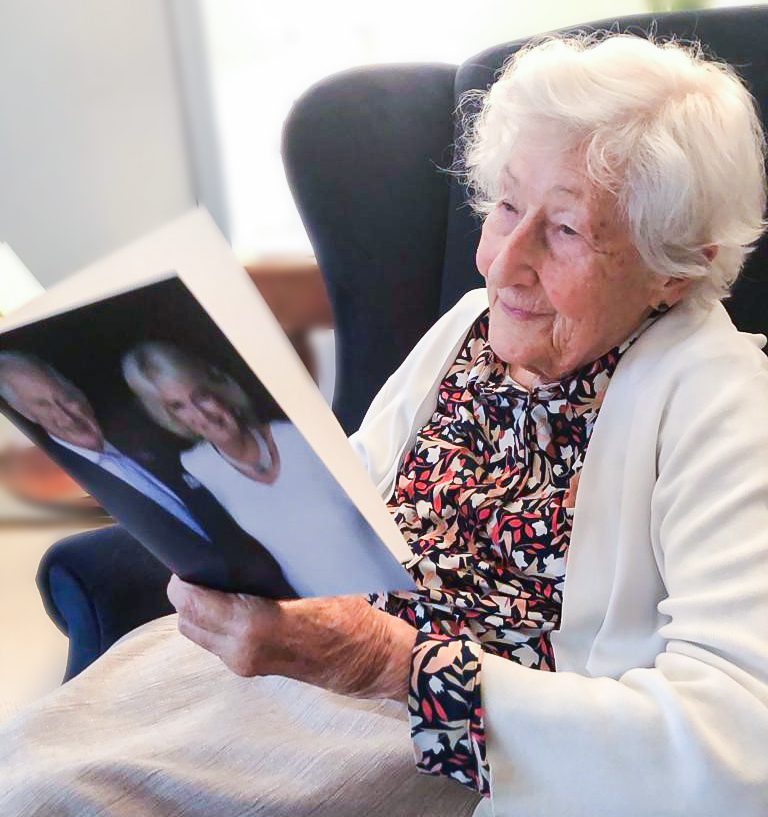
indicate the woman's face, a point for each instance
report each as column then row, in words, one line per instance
column 565, row 282
column 200, row 410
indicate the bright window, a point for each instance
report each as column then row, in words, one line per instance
column 264, row 55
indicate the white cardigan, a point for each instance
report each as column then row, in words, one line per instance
column 660, row 702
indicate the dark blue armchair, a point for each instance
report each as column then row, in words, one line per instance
column 395, row 242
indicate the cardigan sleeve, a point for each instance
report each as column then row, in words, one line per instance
column 687, row 735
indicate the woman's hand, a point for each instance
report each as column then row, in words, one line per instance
column 341, row 644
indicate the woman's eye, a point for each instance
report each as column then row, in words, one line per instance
column 508, row 206
column 566, row 230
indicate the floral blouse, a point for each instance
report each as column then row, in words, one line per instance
column 485, row 499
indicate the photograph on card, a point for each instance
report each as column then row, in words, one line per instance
column 143, row 400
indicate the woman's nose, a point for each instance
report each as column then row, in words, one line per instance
column 518, row 257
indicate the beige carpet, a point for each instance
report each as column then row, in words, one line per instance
column 33, row 652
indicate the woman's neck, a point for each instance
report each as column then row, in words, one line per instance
column 244, row 447
column 256, row 457
column 529, row 379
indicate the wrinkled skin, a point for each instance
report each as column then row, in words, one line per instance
column 565, row 282
column 340, row 644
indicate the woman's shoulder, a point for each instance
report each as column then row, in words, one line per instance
column 693, row 342
column 717, row 336
column 399, row 403
column 690, row 368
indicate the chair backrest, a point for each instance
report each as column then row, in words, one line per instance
column 393, row 236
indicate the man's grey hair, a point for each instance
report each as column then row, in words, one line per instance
column 14, row 361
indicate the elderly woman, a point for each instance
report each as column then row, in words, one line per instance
column 263, row 473
column 578, row 457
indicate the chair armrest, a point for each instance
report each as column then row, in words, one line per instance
column 98, row 586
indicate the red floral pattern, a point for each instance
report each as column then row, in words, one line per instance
column 485, row 499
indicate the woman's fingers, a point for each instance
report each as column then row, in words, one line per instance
column 208, row 609
column 341, row 644
column 246, row 662
column 238, row 628
column 227, row 613
column 213, row 642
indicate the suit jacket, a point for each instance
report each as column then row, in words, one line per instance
column 232, row 561
column 660, row 702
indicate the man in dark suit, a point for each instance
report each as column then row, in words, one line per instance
column 194, row 537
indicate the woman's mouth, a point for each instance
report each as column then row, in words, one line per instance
column 520, row 314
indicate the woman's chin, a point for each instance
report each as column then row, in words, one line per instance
column 218, row 438
column 515, row 347
column 526, row 364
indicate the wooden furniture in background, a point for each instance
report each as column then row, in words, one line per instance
column 295, row 292
column 28, row 474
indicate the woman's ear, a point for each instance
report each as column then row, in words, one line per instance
column 675, row 289
column 672, row 291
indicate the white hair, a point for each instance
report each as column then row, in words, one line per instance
column 674, row 136
column 151, row 363
column 13, row 361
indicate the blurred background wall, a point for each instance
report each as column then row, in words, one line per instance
column 118, row 115
column 93, row 143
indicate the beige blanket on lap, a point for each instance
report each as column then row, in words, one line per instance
column 160, row 727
